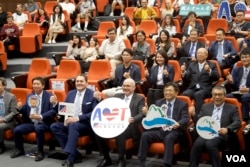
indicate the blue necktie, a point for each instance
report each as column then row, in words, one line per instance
column 191, row 51
column 169, row 110
column 220, row 53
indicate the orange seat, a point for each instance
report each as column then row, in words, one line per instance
column 177, row 70
column 217, row 65
column 129, row 11
column 3, row 57
column 175, row 41
column 103, row 28
column 8, row 134
column 149, row 27
column 139, row 85
column 38, row 67
column 100, row 5
column 83, row 140
column 215, row 24
column 127, row 43
column 31, row 137
column 67, row 69
column 60, row 94
column 98, row 70
column 30, row 35
column 177, row 25
column 48, row 7
column 129, row 144
column 151, row 42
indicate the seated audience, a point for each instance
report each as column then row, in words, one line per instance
column 89, row 54
column 112, row 48
column 31, row 7
column 69, row 7
column 199, row 77
column 136, row 104
column 141, row 48
column 8, row 112
column 167, row 10
column 75, row 48
column 67, row 132
column 19, row 17
column 187, row 51
column 3, row 16
column 85, row 8
column 192, row 24
column 158, row 76
column 240, row 80
column 239, row 27
column 121, row 4
column 125, row 29
column 123, row 71
column 10, row 33
column 222, row 50
column 37, row 116
column 246, row 42
column 177, row 110
column 163, row 43
column 56, row 24
column 168, row 24
column 144, row 12
column 226, row 115
column 42, row 19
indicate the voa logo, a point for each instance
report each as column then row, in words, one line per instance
column 236, row 158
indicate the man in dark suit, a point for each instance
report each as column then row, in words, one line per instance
column 168, row 137
column 6, row 116
column 240, row 80
column 200, row 75
column 123, row 71
column 136, row 103
column 229, row 121
column 187, row 51
column 37, row 115
column 222, row 50
column 67, row 132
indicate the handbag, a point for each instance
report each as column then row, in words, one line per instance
column 46, row 38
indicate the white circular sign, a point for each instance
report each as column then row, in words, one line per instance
column 110, row 117
column 207, row 127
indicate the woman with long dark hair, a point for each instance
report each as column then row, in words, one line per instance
column 125, row 29
column 74, row 49
column 163, row 43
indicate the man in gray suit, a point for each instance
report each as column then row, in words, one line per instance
column 136, row 104
column 229, row 121
column 7, row 111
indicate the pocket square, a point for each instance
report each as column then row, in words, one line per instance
column 88, row 103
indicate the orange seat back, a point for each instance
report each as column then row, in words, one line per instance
column 60, row 94
column 104, row 26
column 142, row 68
column 215, row 24
column 31, row 29
column 68, row 69
column 177, row 69
column 99, row 69
column 129, row 11
column 48, row 6
column 21, row 93
column 149, row 27
column 38, row 67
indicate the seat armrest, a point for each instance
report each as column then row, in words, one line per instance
column 20, row 80
column 105, row 83
column 71, row 83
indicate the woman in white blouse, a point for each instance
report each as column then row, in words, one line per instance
column 168, row 24
column 56, row 23
column 125, row 29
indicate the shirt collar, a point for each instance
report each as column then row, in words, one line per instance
column 219, row 107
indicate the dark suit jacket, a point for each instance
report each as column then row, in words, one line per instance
column 180, row 114
column 184, row 50
column 134, row 70
column 152, row 78
column 88, row 103
column 228, row 49
column 46, row 110
column 229, row 116
column 136, row 104
column 237, row 76
column 197, row 27
column 10, row 107
column 194, row 76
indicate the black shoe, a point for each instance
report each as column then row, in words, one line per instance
column 105, row 162
column 2, row 148
column 167, row 165
column 39, row 156
column 122, row 163
column 78, row 158
column 66, row 163
column 17, row 153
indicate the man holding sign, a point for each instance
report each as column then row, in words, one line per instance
column 76, row 125
column 7, row 111
column 136, row 104
column 37, row 115
column 226, row 115
column 177, row 110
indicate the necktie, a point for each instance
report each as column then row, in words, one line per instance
column 38, row 106
column 169, row 110
column 220, row 53
column 2, row 110
column 246, row 73
column 191, row 51
column 78, row 104
column 244, row 78
column 1, row 98
column 200, row 67
column 216, row 115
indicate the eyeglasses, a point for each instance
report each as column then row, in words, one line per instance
column 217, row 94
